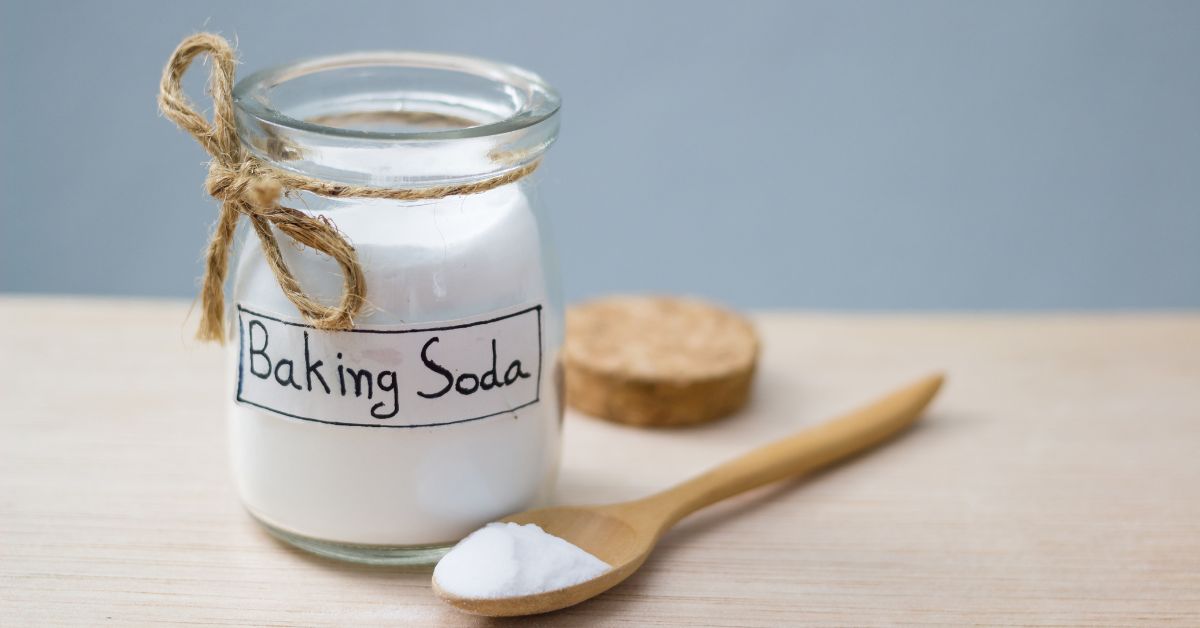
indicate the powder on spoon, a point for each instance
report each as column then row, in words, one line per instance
column 509, row 559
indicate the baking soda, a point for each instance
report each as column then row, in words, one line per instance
column 426, row 263
column 510, row 560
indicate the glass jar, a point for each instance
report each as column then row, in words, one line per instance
column 441, row 410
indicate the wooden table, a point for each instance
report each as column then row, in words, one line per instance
column 1055, row 482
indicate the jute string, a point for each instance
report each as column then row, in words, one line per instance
column 247, row 186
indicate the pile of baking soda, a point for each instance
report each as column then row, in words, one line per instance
column 509, row 560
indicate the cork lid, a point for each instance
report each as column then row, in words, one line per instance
column 648, row 360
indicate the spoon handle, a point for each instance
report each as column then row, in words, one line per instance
column 806, row 451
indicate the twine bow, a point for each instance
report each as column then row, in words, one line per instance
column 247, row 186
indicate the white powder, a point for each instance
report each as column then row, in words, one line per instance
column 425, row 262
column 509, row 560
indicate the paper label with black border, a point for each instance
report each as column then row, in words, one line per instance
column 395, row 376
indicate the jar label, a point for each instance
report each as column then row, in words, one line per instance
column 395, row 376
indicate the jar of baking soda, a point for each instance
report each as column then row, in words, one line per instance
column 395, row 322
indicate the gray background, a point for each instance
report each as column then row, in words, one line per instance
column 875, row 155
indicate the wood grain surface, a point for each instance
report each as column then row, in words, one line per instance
column 1055, row 482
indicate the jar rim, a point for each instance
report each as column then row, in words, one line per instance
column 538, row 100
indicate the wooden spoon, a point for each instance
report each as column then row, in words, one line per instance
column 623, row 535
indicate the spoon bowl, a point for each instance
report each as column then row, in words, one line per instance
column 605, row 535
column 623, row 535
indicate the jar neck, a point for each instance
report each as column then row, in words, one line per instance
column 397, row 119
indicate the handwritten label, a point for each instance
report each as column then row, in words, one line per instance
column 410, row 376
